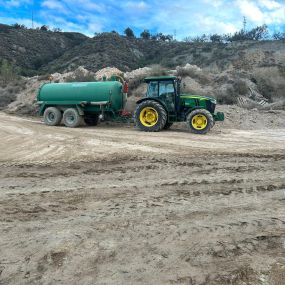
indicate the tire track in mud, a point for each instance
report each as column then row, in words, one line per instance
column 132, row 217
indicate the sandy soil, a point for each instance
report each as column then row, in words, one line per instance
column 112, row 205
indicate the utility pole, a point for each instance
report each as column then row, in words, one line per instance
column 244, row 24
column 175, row 34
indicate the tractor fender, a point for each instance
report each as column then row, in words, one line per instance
column 153, row 99
column 192, row 109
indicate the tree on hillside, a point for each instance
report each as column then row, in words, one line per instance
column 279, row 36
column 129, row 33
column 162, row 37
column 44, row 28
column 256, row 34
column 216, row 38
column 145, row 35
column 18, row 26
column 198, row 39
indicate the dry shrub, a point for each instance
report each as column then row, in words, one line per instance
column 7, row 96
column 27, row 109
column 270, row 82
column 80, row 76
column 134, row 83
column 189, row 70
column 157, row 70
column 44, row 77
column 140, row 91
column 241, row 87
column 9, row 93
column 193, row 71
column 226, row 95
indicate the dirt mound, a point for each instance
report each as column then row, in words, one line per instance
column 107, row 72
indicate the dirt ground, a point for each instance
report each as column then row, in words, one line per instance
column 112, row 205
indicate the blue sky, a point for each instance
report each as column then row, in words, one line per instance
column 186, row 17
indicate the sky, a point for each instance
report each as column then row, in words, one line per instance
column 182, row 18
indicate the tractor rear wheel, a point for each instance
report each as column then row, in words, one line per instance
column 200, row 121
column 91, row 120
column 71, row 118
column 150, row 116
column 52, row 116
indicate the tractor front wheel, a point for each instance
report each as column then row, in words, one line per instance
column 200, row 121
column 150, row 116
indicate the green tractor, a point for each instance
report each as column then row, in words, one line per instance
column 164, row 105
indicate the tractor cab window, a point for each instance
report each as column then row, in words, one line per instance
column 152, row 90
column 167, row 93
column 166, row 88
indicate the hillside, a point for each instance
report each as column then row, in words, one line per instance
column 31, row 49
column 247, row 73
column 109, row 49
column 36, row 51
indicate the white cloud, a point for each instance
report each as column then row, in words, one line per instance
column 251, row 11
column 17, row 3
column 136, row 6
column 270, row 4
column 262, row 12
column 85, row 5
column 215, row 3
column 213, row 25
column 53, row 4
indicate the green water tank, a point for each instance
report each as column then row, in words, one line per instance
column 89, row 93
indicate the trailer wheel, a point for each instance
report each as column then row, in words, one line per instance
column 200, row 121
column 91, row 120
column 52, row 116
column 71, row 118
column 150, row 116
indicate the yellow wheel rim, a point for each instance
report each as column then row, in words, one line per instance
column 199, row 122
column 148, row 117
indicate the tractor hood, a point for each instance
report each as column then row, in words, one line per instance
column 199, row 97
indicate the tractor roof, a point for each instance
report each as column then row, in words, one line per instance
column 159, row 78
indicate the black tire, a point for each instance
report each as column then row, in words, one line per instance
column 52, row 116
column 160, row 116
column 205, row 126
column 167, row 126
column 91, row 120
column 71, row 118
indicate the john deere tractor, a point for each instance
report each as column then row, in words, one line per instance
column 164, row 105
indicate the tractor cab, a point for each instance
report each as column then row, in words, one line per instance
column 164, row 89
